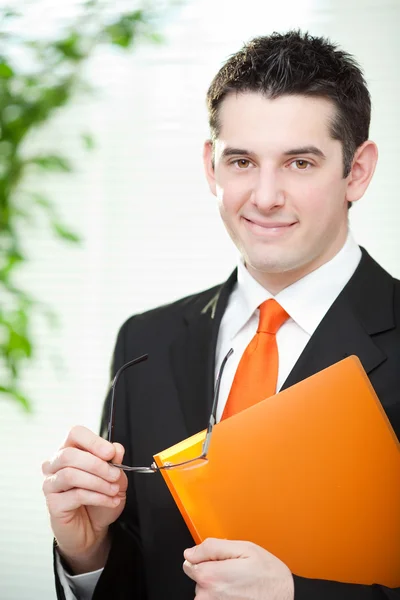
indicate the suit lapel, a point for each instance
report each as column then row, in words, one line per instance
column 193, row 355
column 363, row 309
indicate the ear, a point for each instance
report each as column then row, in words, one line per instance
column 208, row 159
column 362, row 170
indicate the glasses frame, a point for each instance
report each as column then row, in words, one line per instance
column 167, row 466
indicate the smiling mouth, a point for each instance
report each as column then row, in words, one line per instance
column 269, row 228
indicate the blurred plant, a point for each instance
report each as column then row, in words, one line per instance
column 29, row 97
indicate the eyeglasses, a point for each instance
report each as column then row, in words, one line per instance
column 206, row 444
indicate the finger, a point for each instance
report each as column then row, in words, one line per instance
column 119, row 453
column 206, row 575
column 82, row 460
column 191, row 570
column 216, row 549
column 218, row 574
column 61, row 505
column 69, row 478
column 83, row 438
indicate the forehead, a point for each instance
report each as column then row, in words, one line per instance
column 250, row 120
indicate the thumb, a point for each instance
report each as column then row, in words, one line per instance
column 215, row 549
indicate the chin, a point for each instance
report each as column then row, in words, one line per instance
column 272, row 266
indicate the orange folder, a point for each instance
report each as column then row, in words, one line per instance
column 311, row 474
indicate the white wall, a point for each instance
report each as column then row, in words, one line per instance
column 151, row 228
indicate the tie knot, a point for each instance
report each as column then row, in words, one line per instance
column 272, row 317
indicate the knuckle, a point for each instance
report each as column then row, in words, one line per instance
column 68, row 457
column 252, row 547
column 209, row 544
column 78, row 436
column 71, row 437
column 67, row 476
column 63, row 457
column 80, row 495
column 75, row 432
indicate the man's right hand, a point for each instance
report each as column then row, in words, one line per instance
column 84, row 495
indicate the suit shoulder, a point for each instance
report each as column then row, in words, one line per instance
column 171, row 311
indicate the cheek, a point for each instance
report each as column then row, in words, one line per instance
column 232, row 196
column 317, row 201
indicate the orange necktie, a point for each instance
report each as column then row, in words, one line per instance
column 257, row 373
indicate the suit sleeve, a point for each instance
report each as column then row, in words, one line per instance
column 123, row 575
column 313, row 589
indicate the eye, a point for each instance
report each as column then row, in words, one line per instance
column 301, row 164
column 242, row 163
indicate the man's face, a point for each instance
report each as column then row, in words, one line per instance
column 278, row 177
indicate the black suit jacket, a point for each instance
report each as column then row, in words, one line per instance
column 169, row 397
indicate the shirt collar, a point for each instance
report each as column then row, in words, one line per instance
column 308, row 299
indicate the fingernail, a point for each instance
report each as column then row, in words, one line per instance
column 114, row 487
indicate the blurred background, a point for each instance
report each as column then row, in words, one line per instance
column 104, row 209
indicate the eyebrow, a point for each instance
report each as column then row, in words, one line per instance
column 305, row 150
column 228, row 151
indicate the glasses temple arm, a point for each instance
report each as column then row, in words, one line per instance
column 135, row 361
column 213, row 419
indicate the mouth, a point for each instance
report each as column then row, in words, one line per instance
column 269, row 229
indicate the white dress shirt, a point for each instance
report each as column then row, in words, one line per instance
column 306, row 301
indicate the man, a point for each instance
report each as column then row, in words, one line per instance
column 288, row 154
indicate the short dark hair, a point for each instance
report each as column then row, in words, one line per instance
column 299, row 63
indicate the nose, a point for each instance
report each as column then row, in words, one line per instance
column 268, row 192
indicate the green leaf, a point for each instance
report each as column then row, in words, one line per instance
column 50, row 99
column 25, row 215
column 88, row 141
column 64, row 233
column 52, row 162
column 19, row 345
column 42, row 201
column 11, row 261
column 119, row 36
column 5, row 71
column 137, row 16
column 122, row 32
column 23, row 298
column 71, row 47
column 18, row 396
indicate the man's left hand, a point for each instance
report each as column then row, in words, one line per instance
column 230, row 570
